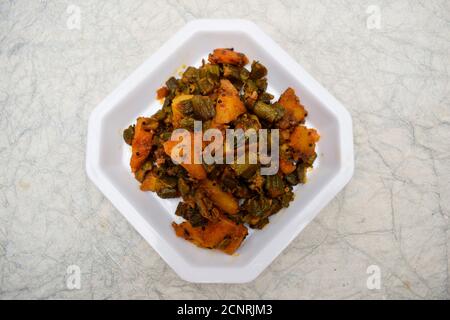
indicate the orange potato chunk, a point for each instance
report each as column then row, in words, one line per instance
column 161, row 93
column 196, row 171
column 222, row 234
column 141, row 144
column 229, row 106
column 221, row 199
column 304, row 140
column 294, row 110
column 286, row 166
column 228, row 56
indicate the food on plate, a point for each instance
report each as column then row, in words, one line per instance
column 222, row 199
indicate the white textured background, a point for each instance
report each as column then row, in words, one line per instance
column 394, row 213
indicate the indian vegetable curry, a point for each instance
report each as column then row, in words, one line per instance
column 220, row 201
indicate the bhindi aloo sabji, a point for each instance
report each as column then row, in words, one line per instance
column 219, row 201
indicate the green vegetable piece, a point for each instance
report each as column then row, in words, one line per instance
column 141, row 173
column 183, row 187
column 249, row 88
column 250, row 93
column 237, row 83
column 190, row 75
column 212, row 70
column 261, row 223
column 248, row 121
column 186, row 107
column 172, row 84
column 169, row 182
column 166, row 193
column 276, row 206
column 258, row 206
column 231, row 72
column 242, row 192
column 230, row 182
column 167, row 103
column 150, row 124
column 203, row 108
column 160, row 115
column 261, row 84
column 205, row 205
column 292, row 179
column 166, row 136
column 191, row 214
column 309, row 160
column 197, row 220
column 265, row 111
column 286, row 198
column 244, row 74
column 270, row 113
column 244, row 170
column 274, row 186
column 128, row 134
column 258, row 70
column 280, row 111
column 187, row 123
column 206, row 85
column 208, row 79
column 266, row 97
column 301, row 173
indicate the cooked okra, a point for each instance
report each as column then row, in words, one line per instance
column 221, row 200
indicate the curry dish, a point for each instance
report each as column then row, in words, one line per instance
column 220, row 201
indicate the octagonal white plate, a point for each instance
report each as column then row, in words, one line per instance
column 107, row 156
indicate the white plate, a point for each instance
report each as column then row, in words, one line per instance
column 107, row 156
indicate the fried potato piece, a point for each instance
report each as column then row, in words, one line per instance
column 222, row 199
column 304, row 140
column 229, row 56
column 229, row 106
column 196, row 171
column 286, row 166
column 161, row 93
column 222, row 234
column 294, row 110
column 141, row 144
column 177, row 114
